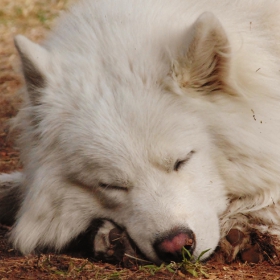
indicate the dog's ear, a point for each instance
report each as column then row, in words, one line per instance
column 205, row 63
column 35, row 60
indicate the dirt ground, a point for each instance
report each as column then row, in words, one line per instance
column 33, row 18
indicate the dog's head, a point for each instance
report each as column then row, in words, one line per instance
column 130, row 126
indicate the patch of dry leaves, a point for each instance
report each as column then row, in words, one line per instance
column 33, row 18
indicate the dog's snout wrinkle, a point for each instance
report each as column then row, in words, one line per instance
column 169, row 245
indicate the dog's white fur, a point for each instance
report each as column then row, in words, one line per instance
column 128, row 88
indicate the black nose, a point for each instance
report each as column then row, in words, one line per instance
column 170, row 244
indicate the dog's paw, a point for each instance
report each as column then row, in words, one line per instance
column 112, row 244
column 248, row 246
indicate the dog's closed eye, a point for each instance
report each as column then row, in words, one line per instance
column 180, row 162
column 112, row 187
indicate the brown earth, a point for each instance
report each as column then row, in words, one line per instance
column 32, row 18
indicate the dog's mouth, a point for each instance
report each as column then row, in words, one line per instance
column 118, row 247
column 123, row 249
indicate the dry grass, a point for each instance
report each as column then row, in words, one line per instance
column 29, row 17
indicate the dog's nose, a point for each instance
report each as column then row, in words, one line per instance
column 169, row 245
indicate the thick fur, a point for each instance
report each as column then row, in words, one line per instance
column 156, row 115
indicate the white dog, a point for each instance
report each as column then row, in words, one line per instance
column 160, row 116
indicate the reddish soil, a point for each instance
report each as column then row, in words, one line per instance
column 32, row 18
